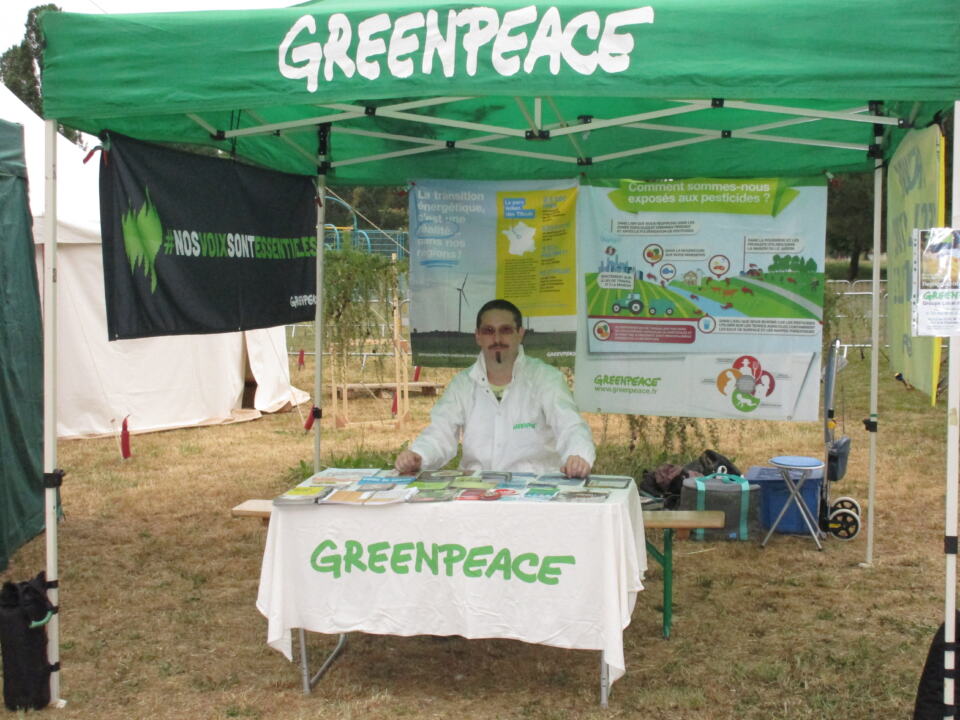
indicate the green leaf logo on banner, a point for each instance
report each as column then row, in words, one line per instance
column 142, row 237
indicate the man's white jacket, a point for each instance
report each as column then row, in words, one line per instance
column 533, row 428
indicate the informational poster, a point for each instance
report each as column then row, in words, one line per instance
column 936, row 284
column 473, row 241
column 915, row 189
column 750, row 386
column 702, row 297
column 702, row 263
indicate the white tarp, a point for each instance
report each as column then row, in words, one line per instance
column 160, row 383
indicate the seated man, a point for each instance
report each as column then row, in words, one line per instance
column 514, row 412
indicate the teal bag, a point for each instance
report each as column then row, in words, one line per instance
column 743, row 524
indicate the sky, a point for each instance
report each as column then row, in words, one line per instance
column 13, row 13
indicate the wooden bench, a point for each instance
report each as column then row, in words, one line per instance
column 379, row 388
column 254, row 508
column 667, row 520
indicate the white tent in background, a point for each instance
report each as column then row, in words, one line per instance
column 160, row 383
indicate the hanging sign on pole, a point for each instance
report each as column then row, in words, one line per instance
column 936, row 286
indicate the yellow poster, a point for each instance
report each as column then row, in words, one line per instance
column 536, row 251
column 914, row 200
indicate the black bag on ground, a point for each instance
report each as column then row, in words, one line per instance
column 24, row 612
column 666, row 482
column 710, row 462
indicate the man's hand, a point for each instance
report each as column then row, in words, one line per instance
column 575, row 466
column 409, row 462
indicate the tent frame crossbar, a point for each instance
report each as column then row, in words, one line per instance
column 271, row 128
column 382, row 156
column 289, row 142
column 534, row 128
column 534, row 122
column 854, row 116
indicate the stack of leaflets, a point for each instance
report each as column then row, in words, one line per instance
column 448, row 475
column 471, row 482
column 341, row 477
column 303, row 494
column 374, row 486
column 500, row 478
column 610, row 482
column 540, row 493
column 581, row 496
column 479, row 494
column 433, row 495
column 368, row 497
column 439, row 484
column 375, row 482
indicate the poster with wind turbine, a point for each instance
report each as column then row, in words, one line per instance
column 472, row 241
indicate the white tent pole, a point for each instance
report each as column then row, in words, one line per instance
column 318, row 315
column 953, row 450
column 50, row 397
column 874, row 345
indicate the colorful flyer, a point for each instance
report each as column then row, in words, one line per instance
column 936, row 286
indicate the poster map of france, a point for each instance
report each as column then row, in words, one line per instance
column 473, row 241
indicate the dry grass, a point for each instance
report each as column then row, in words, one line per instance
column 158, row 589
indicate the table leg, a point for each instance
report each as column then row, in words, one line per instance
column 667, row 582
column 665, row 559
column 309, row 682
column 304, row 662
column 604, row 681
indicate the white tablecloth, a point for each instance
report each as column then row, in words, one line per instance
column 503, row 587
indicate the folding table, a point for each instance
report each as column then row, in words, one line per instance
column 314, row 578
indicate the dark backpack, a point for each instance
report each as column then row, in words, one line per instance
column 710, row 462
column 24, row 613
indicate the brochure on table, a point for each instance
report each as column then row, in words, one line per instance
column 371, row 486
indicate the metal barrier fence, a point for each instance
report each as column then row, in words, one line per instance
column 850, row 311
column 380, row 242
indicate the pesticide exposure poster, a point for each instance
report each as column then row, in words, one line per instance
column 474, row 241
column 701, row 297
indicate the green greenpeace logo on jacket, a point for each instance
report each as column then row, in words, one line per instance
column 525, row 426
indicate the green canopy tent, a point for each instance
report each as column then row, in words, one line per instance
column 21, row 381
column 377, row 93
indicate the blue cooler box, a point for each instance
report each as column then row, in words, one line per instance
column 774, row 495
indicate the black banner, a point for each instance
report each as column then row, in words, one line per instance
column 195, row 244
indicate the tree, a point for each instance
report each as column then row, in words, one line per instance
column 385, row 206
column 20, row 67
column 850, row 218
